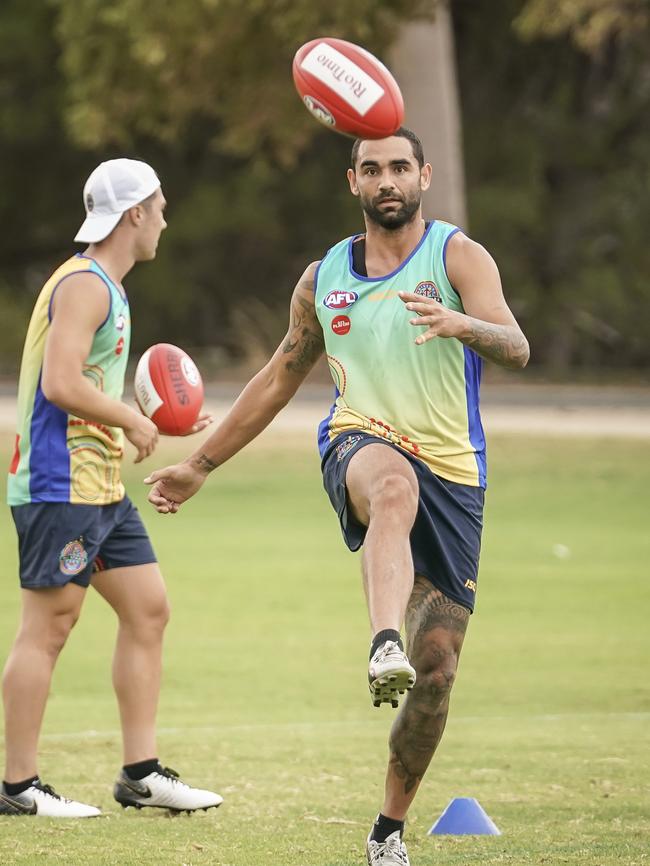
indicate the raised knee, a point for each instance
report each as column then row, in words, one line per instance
column 396, row 494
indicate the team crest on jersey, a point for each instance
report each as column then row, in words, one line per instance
column 119, row 346
column 428, row 289
column 340, row 300
column 120, row 322
column 73, row 558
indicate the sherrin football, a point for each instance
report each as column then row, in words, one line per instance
column 169, row 388
column 347, row 88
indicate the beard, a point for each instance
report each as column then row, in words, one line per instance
column 401, row 212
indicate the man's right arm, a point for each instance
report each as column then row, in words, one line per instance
column 79, row 307
column 258, row 404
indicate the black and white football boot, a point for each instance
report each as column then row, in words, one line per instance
column 392, row 852
column 163, row 789
column 42, row 800
column 390, row 674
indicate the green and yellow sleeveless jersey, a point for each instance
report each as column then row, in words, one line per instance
column 58, row 457
column 425, row 399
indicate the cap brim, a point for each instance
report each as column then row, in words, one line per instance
column 96, row 228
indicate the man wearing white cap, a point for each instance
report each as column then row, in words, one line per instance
column 75, row 524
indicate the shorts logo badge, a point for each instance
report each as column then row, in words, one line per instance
column 73, row 558
column 340, row 300
column 341, row 325
column 428, row 289
column 346, row 446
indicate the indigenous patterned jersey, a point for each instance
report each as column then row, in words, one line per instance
column 423, row 398
column 58, row 457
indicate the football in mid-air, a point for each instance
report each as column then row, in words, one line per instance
column 347, row 88
column 169, row 388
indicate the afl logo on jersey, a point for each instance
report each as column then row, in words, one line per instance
column 340, row 300
column 428, row 289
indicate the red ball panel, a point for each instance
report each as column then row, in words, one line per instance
column 169, row 388
column 347, row 88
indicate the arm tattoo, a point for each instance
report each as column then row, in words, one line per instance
column 304, row 343
column 503, row 344
column 436, row 627
column 204, row 463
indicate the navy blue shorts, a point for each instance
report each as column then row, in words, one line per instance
column 446, row 535
column 61, row 542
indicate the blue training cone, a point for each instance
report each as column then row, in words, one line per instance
column 465, row 816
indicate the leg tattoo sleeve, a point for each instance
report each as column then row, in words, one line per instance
column 435, row 630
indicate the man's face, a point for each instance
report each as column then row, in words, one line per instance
column 151, row 227
column 388, row 181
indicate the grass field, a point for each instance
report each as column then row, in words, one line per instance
column 265, row 698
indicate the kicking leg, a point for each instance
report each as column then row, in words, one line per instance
column 383, row 495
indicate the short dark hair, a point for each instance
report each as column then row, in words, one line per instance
column 402, row 132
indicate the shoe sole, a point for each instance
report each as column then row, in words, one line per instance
column 387, row 688
column 125, row 803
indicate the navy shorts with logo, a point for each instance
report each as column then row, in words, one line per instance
column 62, row 542
column 446, row 535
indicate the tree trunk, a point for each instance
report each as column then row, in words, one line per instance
column 424, row 64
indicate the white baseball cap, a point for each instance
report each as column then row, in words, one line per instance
column 112, row 188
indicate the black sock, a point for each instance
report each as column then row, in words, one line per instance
column 382, row 636
column 383, row 827
column 141, row 769
column 13, row 788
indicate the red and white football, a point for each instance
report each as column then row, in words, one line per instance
column 169, row 388
column 347, row 88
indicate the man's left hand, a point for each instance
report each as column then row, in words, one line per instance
column 439, row 320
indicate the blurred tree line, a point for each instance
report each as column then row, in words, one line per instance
column 555, row 97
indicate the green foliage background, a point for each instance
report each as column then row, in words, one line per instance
column 555, row 97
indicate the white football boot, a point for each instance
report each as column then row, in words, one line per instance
column 42, row 800
column 392, row 852
column 164, row 790
column 389, row 674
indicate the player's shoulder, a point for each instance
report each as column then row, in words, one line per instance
column 461, row 247
column 87, row 282
column 467, row 260
column 307, row 280
column 78, row 285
